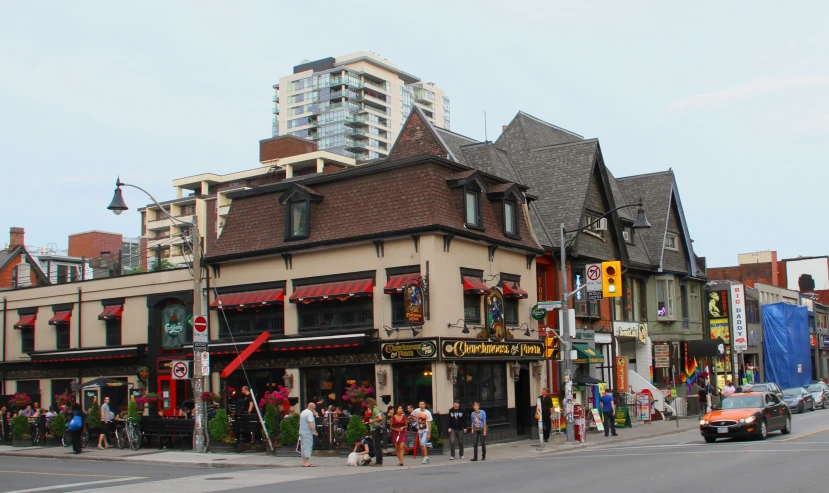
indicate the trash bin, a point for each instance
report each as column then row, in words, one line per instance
column 579, row 425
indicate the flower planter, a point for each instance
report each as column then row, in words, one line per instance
column 51, row 442
column 222, row 448
column 25, row 442
column 286, row 452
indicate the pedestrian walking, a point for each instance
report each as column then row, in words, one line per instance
column 457, row 428
column 479, row 428
column 77, row 431
column 424, row 429
column 608, row 412
column 703, row 396
column 307, row 432
column 377, row 424
column 546, row 412
column 398, row 424
column 107, row 423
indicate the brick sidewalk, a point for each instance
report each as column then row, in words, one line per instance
column 511, row 450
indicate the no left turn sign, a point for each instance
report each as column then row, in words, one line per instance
column 594, row 272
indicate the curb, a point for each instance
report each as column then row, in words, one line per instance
column 203, row 465
column 570, row 447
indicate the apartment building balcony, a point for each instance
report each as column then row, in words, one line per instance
column 356, row 133
column 158, row 224
column 344, row 81
column 357, row 147
column 357, row 121
column 377, row 87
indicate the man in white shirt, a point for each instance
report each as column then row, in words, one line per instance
column 424, row 429
column 729, row 389
column 307, row 432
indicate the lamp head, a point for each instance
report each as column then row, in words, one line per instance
column 118, row 205
column 641, row 221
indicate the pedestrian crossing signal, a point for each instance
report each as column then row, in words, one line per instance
column 612, row 279
column 552, row 348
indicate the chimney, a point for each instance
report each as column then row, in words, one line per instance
column 503, row 128
column 16, row 237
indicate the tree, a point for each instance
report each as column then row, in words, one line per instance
column 289, row 430
column 356, row 430
column 20, row 427
column 271, row 414
column 132, row 412
column 93, row 422
column 59, row 426
column 162, row 264
column 220, row 428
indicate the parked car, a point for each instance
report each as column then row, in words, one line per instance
column 799, row 399
column 820, row 391
column 763, row 387
column 750, row 414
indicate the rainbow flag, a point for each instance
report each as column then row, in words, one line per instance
column 691, row 373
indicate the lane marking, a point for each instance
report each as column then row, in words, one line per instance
column 806, row 435
column 692, row 453
column 73, row 485
column 70, row 474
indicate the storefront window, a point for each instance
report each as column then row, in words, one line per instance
column 336, row 315
column 485, row 383
column 326, row 386
column 472, row 308
column 412, row 384
column 252, row 321
column 511, row 311
column 398, row 310
column 260, row 381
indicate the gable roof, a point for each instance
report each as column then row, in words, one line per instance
column 539, row 133
column 454, row 143
column 637, row 250
column 418, row 137
column 658, row 192
column 8, row 255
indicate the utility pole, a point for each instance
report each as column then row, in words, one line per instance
column 565, row 335
column 198, row 380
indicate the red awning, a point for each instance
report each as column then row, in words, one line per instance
column 111, row 312
column 249, row 299
column 473, row 285
column 513, row 290
column 61, row 318
column 397, row 283
column 26, row 322
column 333, row 290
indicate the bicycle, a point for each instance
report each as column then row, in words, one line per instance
column 66, row 441
column 128, row 435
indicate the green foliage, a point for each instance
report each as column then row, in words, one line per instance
column 436, row 440
column 356, row 430
column 20, row 427
column 271, row 413
column 93, row 422
column 219, row 427
column 135, row 270
column 59, row 425
column 162, row 264
column 289, row 431
column 132, row 412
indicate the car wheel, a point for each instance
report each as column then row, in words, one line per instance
column 813, row 406
column 823, row 405
column 764, row 430
column 801, row 408
column 787, row 428
column 710, row 439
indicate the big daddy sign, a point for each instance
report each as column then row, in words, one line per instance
column 738, row 318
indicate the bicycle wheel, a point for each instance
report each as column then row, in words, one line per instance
column 84, row 439
column 135, row 438
column 67, row 439
column 121, row 438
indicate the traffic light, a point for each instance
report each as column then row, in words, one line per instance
column 612, row 279
column 552, row 348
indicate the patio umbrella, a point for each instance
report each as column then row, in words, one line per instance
column 100, row 383
column 586, row 380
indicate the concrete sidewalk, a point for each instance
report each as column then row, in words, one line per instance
column 511, row 450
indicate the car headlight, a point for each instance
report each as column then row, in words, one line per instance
column 703, row 422
column 750, row 419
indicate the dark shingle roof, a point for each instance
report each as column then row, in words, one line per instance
column 486, row 157
column 7, row 255
column 656, row 192
column 453, row 142
column 539, row 133
column 638, row 250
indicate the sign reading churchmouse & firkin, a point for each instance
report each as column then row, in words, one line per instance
column 409, row 350
column 477, row 349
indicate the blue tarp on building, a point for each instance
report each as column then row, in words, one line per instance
column 786, row 349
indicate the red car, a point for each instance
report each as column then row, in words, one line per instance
column 747, row 415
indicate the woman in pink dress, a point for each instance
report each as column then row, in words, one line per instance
column 398, row 425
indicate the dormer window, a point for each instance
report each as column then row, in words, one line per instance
column 297, row 220
column 472, row 203
column 510, row 218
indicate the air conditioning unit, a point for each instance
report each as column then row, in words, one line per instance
column 601, row 225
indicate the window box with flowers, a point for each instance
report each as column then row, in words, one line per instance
column 356, row 394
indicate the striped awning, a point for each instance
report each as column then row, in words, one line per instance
column 473, row 285
column 249, row 299
column 333, row 290
column 111, row 312
column 26, row 322
column 513, row 290
column 398, row 282
column 61, row 318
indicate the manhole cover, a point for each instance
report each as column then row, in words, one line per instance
column 218, row 478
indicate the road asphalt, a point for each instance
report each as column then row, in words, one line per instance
column 674, row 461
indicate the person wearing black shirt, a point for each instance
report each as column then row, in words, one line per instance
column 457, row 428
column 703, row 399
column 546, row 412
column 244, row 409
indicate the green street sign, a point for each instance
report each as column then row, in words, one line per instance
column 538, row 313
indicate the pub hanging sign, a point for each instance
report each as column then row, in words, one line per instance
column 494, row 303
column 409, row 350
column 477, row 349
column 414, row 302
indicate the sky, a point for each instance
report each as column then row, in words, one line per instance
column 733, row 96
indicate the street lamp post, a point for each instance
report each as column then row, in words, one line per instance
column 640, row 223
column 118, row 206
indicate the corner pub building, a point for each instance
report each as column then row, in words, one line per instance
column 321, row 264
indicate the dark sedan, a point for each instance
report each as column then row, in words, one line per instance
column 751, row 414
column 799, row 399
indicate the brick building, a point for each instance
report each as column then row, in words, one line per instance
column 18, row 269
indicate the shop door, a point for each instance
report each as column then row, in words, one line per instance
column 117, row 396
column 167, row 390
column 523, row 410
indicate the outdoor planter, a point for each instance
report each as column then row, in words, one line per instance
column 23, row 442
column 222, row 448
column 51, row 442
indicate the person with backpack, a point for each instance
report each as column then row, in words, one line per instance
column 377, row 424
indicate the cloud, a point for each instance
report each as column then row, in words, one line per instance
column 744, row 91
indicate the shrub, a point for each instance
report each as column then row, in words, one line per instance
column 59, row 425
column 289, row 431
column 132, row 412
column 356, row 430
column 20, row 427
column 93, row 421
column 270, row 421
column 220, row 427
column 437, row 440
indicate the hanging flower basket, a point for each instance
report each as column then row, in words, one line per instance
column 274, row 398
column 20, row 400
column 357, row 394
column 148, row 398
